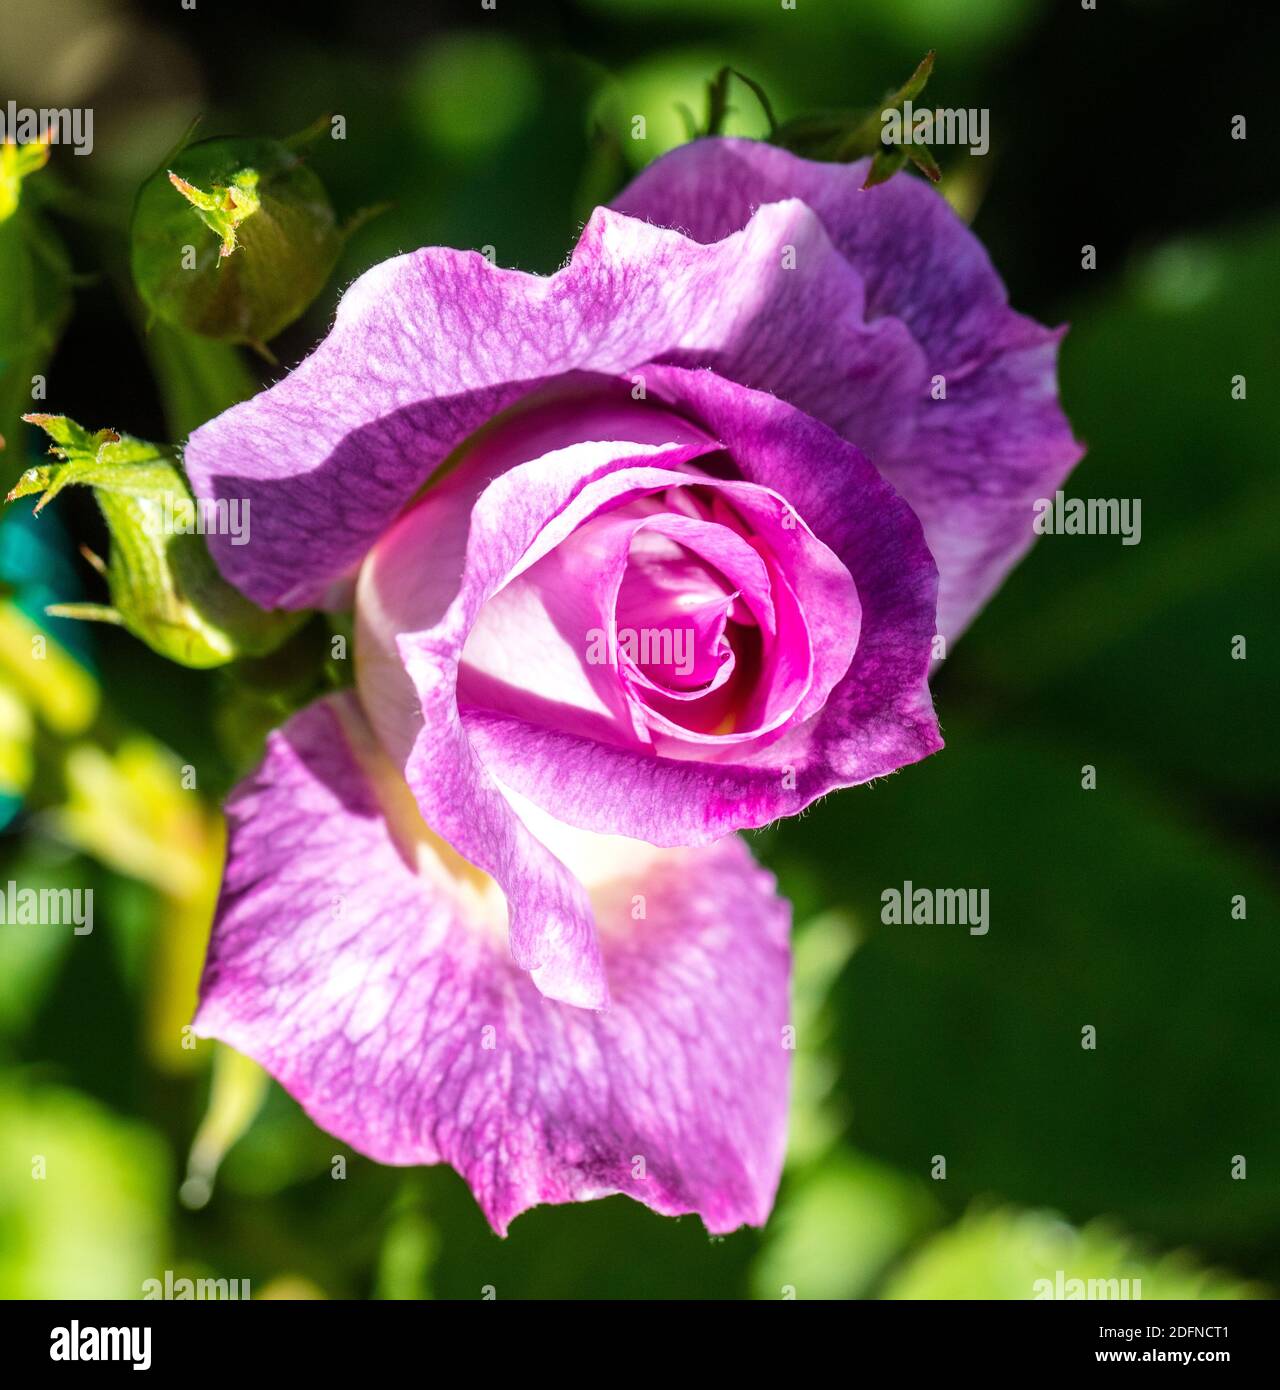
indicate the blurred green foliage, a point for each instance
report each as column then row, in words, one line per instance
column 36, row 301
column 1003, row 1254
column 86, row 1219
column 1110, row 908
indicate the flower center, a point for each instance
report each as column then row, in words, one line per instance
column 688, row 641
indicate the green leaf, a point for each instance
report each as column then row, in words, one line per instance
column 164, row 585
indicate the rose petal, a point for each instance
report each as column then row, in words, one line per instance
column 971, row 465
column 428, row 347
column 376, row 988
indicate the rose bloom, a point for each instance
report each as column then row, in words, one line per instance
column 641, row 554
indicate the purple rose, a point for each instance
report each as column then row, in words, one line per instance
column 641, row 554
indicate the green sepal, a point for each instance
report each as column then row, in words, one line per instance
column 841, row 137
column 226, row 207
column 718, row 107
column 165, row 588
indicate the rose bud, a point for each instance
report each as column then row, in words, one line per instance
column 233, row 239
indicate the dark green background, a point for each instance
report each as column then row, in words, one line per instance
column 1109, row 907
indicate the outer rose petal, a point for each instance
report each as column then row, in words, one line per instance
column 970, row 465
column 369, row 991
column 427, row 347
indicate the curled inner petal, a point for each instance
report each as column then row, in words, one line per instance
column 678, row 608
